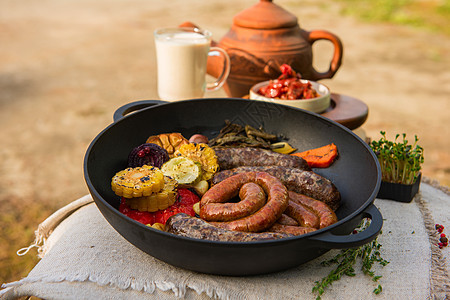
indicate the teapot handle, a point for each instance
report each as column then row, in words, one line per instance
column 316, row 35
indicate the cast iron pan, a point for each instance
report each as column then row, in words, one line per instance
column 356, row 174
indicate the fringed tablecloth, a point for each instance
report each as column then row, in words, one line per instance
column 83, row 257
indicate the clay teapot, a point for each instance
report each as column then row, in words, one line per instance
column 262, row 38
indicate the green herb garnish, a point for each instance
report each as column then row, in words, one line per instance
column 346, row 259
column 399, row 161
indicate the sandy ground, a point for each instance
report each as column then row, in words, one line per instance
column 65, row 66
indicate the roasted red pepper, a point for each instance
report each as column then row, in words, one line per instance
column 185, row 200
column 288, row 86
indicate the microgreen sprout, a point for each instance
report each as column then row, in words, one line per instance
column 400, row 162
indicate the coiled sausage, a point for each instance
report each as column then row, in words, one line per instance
column 326, row 215
column 286, row 220
column 300, row 181
column 277, row 200
column 302, row 215
column 252, row 198
column 292, row 230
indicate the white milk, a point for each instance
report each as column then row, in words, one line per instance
column 181, row 60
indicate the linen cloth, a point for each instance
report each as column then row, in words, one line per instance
column 85, row 258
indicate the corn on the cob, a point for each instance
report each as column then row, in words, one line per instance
column 156, row 201
column 202, row 154
column 137, row 182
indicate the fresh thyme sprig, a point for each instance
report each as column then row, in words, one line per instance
column 399, row 161
column 346, row 259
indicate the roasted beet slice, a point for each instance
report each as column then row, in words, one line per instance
column 147, row 154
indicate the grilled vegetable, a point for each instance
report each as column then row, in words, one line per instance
column 147, row 154
column 282, row 147
column 158, row 226
column 169, row 141
column 183, row 170
column 137, row 182
column 196, row 208
column 157, row 201
column 200, row 187
column 202, row 154
column 321, row 157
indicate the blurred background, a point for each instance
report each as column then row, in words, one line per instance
column 66, row 66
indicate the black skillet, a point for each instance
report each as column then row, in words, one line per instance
column 356, row 174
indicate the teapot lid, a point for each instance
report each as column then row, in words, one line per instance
column 265, row 15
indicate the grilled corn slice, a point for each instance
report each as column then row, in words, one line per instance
column 202, row 154
column 157, row 201
column 137, row 182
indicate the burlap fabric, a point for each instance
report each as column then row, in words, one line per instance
column 85, row 258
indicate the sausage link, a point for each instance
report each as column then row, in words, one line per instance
column 249, row 156
column 325, row 213
column 286, row 220
column 302, row 215
column 252, row 198
column 184, row 225
column 277, row 200
column 304, row 182
column 288, row 229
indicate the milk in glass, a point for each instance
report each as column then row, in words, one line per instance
column 181, row 61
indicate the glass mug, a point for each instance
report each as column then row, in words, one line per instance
column 181, row 56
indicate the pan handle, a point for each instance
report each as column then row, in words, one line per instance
column 134, row 106
column 333, row 241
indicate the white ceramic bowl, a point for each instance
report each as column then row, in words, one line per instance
column 317, row 105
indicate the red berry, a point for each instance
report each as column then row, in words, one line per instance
column 442, row 234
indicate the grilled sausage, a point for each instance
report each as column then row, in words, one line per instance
column 325, row 213
column 252, row 198
column 300, row 181
column 277, row 200
column 302, row 215
column 286, row 220
column 184, row 225
column 229, row 158
column 293, row 230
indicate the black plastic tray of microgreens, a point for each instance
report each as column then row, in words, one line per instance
column 400, row 165
column 399, row 192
